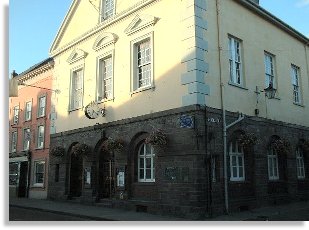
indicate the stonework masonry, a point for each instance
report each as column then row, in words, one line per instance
column 189, row 179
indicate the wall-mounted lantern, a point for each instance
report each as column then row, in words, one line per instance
column 270, row 91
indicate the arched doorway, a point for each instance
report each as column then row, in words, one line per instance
column 76, row 175
column 107, row 175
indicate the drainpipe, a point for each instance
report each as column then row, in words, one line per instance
column 222, row 107
column 307, row 61
column 28, row 173
column 225, row 127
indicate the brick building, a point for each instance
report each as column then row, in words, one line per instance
column 29, row 131
column 192, row 113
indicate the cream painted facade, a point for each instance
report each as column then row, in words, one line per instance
column 185, row 59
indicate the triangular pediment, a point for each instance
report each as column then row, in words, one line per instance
column 81, row 18
column 140, row 22
column 76, row 55
column 104, row 40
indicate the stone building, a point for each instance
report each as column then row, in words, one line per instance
column 29, row 131
column 191, row 108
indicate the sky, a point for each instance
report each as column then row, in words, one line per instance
column 33, row 25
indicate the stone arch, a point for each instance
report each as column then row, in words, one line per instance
column 135, row 142
column 75, row 172
column 105, row 164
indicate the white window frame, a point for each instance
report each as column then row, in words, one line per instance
column 300, row 165
column 273, row 166
column 35, row 173
column 270, row 70
column 101, row 77
column 28, row 110
column 16, row 114
column 135, row 67
column 295, row 75
column 235, row 61
column 42, row 106
column 143, row 155
column 40, row 137
column 14, row 142
column 107, row 9
column 26, row 139
column 75, row 90
column 237, row 153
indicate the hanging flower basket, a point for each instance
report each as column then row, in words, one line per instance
column 156, row 138
column 81, row 149
column 305, row 146
column 281, row 146
column 113, row 145
column 57, row 151
column 247, row 140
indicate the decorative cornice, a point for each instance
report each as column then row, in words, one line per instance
column 273, row 19
column 76, row 55
column 35, row 72
column 140, row 22
column 104, row 40
column 101, row 26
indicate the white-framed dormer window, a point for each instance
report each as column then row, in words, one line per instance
column 40, row 137
column 26, row 139
column 300, row 164
column 295, row 75
column 42, row 106
column 39, row 173
column 105, row 78
column 142, row 66
column 77, row 91
column 146, row 163
column 270, row 77
column 14, row 142
column 28, row 110
column 235, row 61
column 107, row 9
column 15, row 114
column 237, row 162
column 273, row 170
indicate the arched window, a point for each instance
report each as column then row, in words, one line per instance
column 146, row 163
column 237, row 162
column 273, row 171
column 300, row 164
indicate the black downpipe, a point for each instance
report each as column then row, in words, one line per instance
column 28, row 173
column 208, row 169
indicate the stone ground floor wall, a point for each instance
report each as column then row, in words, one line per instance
column 188, row 170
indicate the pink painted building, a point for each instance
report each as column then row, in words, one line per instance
column 29, row 131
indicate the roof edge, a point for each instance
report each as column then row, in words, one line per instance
column 273, row 19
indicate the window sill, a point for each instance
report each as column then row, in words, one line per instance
column 37, row 186
column 240, row 181
column 298, row 104
column 77, row 109
column 148, row 183
column 143, row 89
column 106, row 100
column 41, row 148
column 40, row 117
column 238, row 86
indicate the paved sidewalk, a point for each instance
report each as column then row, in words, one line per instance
column 87, row 211
column 107, row 214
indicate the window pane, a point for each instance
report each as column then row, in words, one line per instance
column 141, row 174
column 234, row 174
column 141, row 162
column 234, row 161
column 241, row 174
column 148, row 163
column 148, row 173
